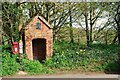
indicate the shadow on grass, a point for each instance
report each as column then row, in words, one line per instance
column 113, row 68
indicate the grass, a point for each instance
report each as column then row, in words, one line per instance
column 69, row 57
column 100, row 57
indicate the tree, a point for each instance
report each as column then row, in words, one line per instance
column 70, row 23
column 85, row 13
column 117, row 20
column 59, row 17
column 11, row 14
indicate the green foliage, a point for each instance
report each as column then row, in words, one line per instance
column 113, row 66
column 35, row 67
column 9, row 64
column 12, row 63
column 68, row 56
column 11, row 14
column 0, row 64
column 6, row 48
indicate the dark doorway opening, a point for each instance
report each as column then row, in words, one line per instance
column 39, row 49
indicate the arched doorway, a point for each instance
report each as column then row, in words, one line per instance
column 39, row 49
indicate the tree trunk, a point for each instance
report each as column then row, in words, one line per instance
column 47, row 11
column 23, row 40
column 91, row 25
column 117, row 20
column 31, row 12
column 114, row 40
column 71, row 29
column 87, row 28
column 106, row 42
column 2, row 40
column 119, row 35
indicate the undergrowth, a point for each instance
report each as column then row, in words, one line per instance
column 66, row 56
column 99, row 57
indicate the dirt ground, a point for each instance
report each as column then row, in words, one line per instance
column 71, row 74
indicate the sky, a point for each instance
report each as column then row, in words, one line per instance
column 99, row 23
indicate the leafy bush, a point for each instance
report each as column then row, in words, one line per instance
column 113, row 67
column 34, row 67
column 102, row 55
column 9, row 64
column 0, row 64
column 6, row 48
column 69, row 56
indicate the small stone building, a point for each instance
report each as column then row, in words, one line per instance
column 38, row 39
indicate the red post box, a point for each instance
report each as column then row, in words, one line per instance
column 15, row 47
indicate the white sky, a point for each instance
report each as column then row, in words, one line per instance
column 99, row 23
